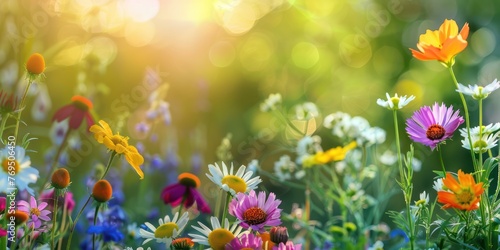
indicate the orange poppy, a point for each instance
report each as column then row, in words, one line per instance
column 443, row 44
column 464, row 194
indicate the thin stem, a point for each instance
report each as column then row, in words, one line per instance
column 2, row 126
column 56, row 160
column 68, row 246
column 54, row 223
column 63, row 224
column 307, row 210
column 466, row 114
column 21, row 106
column 226, row 205
column 113, row 154
column 441, row 160
column 95, row 222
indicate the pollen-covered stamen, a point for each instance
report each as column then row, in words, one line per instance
column 219, row 237
column 465, row 197
column 166, row 230
column 235, row 183
column 254, row 216
column 435, row 132
column 35, row 211
column 9, row 166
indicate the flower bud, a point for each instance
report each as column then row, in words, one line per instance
column 102, row 191
column 60, row 178
column 279, row 234
column 35, row 64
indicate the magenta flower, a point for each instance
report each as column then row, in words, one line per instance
column 288, row 246
column 37, row 213
column 67, row 202
column 254, row 211
column 245, row 241
column 185, row 191
column 431, row 126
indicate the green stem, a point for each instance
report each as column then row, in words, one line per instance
column 2, row 127
column 113, row 154
column 68, row 246
column 226, row 205
column 21, row 106
column 54, row 215
column 466, row 114
column 406, row 189
column 441, row 160
column 95, row 222
column 56, row 160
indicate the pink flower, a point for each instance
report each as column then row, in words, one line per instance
column 37, row 213
column 255, row 211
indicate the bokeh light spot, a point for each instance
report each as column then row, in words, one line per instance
column 355, row 50
column 305, row 55
column 139, row 34
column 255, row 52
column 483, row 42
column 239, row 18
column 222, row 54
column 387, row 61
column 141, row 10
column 102, row 48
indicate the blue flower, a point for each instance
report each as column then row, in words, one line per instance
column 108, row 232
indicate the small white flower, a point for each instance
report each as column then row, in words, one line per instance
column 396, row 102
column 332, row 119
column 167, row 229
column 241, row 181
column 480, row 144
column 388, row 158
column 284, row 168
column 306, row 111
column 488, row 129
column 271, row 102
column 438, row 185
column 424, row 199
column 373, row 135
column 416, row 164
column 479, row 92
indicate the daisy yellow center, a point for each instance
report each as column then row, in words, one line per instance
column 235, row 183
column 35, row 211
column 435, row 132
column 480, row 144
column 465, row 197
column 219, row 237
column 166, row 230
column 254, row 216
column 395, row 101
column 9, row 166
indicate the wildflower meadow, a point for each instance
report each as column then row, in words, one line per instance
column 242, row 124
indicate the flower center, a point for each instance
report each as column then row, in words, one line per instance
column 119, row 140
column 82, row 103
column 219, row 237
column 395, row 102
column 254, row 216
column 166, row 230
column 182, row 243
column 235, row 183
column 480, row 144
column 435, row 132
column 9, row 166
column 189, row 180
column 35, row 211
column 465, row 197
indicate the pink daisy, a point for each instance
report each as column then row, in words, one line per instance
column 245, row 241
column 37, row 213
column 254, row 211
column 431, row 126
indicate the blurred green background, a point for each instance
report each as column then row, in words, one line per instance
column 220, row 59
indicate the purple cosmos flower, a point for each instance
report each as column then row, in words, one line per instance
column 245, row 241
column 254, row 211
column 37, row 212
column 431, row 126
column 185, row 191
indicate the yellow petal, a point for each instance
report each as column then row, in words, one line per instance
column 108, row 143
column 448, row 29
column 135, row 160
column 106, row 128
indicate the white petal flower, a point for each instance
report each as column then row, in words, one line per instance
column 480, row 144
column 271, row 102
column 167, row 229
column 218, row 236
column 241, row 181
column 396, row 102
column 479, row 92
column 438, row 185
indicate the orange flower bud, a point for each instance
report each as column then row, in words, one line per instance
column 35, row 64
column 60, row 178
column 102, row 191
column 20, row 216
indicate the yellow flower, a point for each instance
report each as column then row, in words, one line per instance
column 331, row 155
column 443, row 44
column 115, row 142
column 464, row 194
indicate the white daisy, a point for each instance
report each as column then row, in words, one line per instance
column 488, row 129
column 241, row 182
column 424, row 199
column 396, row 102
column 284, row 168
column 438, row 185
column 306, row 111
column 480, row 144
column 167, row 229
column 15, row 162
column 479, row 92
column 218, row 236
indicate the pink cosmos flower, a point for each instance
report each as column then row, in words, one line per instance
column 431, row 126
column 254, row 211
column 37, row 212
column 245, row 241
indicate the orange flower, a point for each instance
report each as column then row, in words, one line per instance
column 443, row 44
column 102, row 191
column 60, row 179
column 35, row 64
column 464, row 194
